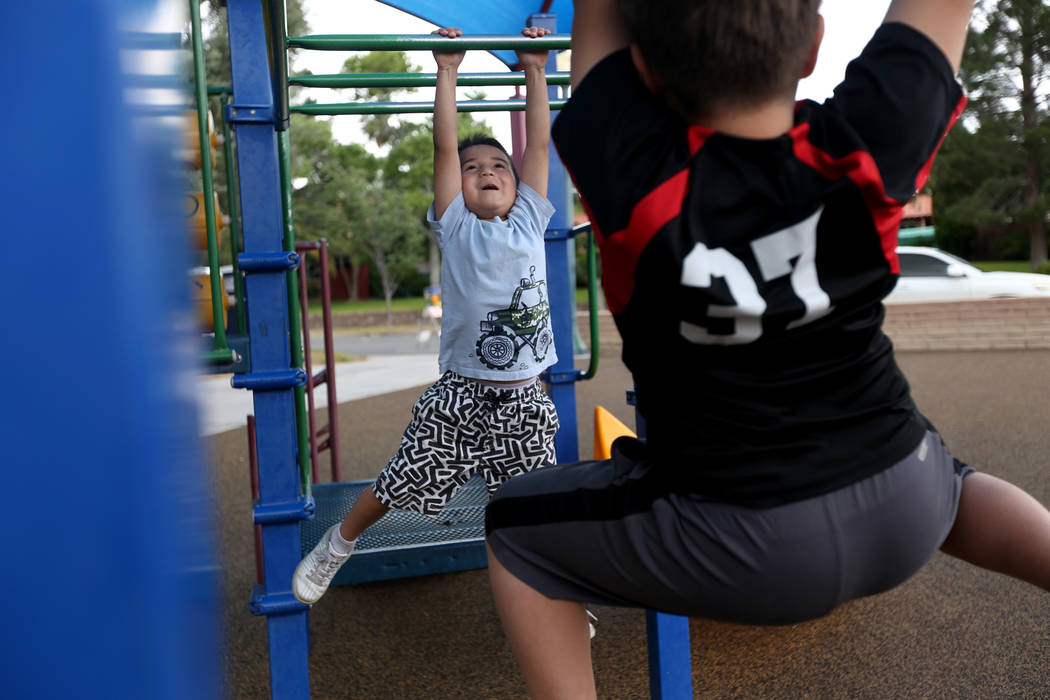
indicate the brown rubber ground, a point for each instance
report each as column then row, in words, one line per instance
column 952, row 631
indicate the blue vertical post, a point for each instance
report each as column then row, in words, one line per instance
column 670, row 656
column 281, row 505
column 104, row 475
column 560, row 255
column 670, row 652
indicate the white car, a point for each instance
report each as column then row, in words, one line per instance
column 930, row 274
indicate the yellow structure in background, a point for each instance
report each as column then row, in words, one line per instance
column 607, row 428
column 200, row 286
column 197, row 221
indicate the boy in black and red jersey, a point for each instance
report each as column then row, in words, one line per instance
column 747, row 243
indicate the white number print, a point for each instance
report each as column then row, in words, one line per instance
column 789, row 251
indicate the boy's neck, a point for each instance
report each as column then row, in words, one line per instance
column 766, row 121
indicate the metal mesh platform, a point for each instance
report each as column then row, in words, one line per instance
column 403, row 543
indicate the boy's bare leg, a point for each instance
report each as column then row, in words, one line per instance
column 550, row 638
column 1002, row 528
column 366, row 510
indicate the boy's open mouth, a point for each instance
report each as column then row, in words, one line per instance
column 490, row 187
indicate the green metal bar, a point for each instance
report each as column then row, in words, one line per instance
column 415, row 107
column 416, row 80
column 920, row 235
column 233, row 204
column 426, row 42
column 280, row 65
column 220, row 89
column 592, row 298
column 295, row 325
column 224, row 356
column 218, row 291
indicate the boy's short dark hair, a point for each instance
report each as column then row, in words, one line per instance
column 486, row 140
column 716, row 53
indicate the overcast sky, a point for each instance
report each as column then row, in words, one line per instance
column 848, row 26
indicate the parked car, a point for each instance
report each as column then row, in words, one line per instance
column 930, row 274
column 225, row 270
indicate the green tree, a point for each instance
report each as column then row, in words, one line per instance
column 409, row 166
column 990, row 179
column 382, row 128
column 216, row 44
column 329, row 201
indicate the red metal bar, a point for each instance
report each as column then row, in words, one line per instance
column 253, row 466
column 301, row 247
column 329, row 358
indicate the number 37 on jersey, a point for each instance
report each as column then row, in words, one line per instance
column 789, row 252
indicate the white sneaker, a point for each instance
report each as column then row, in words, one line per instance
column 317, row 569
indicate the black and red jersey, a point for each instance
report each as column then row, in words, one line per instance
column 746, row 277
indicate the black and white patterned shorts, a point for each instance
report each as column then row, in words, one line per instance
column 460, row 428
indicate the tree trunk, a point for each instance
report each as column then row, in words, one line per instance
column 355, row 280
column 387, row 281
column 348, row 282
column 1033, row 186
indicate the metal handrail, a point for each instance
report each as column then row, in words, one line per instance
column 415, row 107
column 426, row 42
column 221, row 352
column 592, row 296
column 416, row 80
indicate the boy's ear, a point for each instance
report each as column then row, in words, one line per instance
column 811, row 61
column 651, row 80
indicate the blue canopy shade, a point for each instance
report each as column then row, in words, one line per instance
column 502, row 17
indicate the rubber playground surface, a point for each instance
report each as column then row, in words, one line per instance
column 979, row 371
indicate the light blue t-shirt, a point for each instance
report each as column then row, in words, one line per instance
column 495, row 322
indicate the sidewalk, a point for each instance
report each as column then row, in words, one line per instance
column 223, row 408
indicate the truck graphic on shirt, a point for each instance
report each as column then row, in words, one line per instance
column 525, row 322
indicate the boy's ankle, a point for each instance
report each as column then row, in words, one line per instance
column 339, row 544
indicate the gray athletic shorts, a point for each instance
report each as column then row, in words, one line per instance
column 460, row 428
column 601, row 532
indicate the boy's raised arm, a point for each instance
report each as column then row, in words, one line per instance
column 943, row 21
column 534, row 160
column 448, row 180
column 598, row 30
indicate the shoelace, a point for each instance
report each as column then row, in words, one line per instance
column 323, row 570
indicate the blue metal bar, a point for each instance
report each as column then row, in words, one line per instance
column 670, row 663
column 293, row 511
column 266, row 299
column 268, row 262
column 670, row 653
column 249, row 113
column 282, row 604
column 271, row 380
column 561, row 254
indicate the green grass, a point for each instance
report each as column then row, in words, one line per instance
column 1004, row 265
column 372, row 305
column 398, row 304
column 317, row 357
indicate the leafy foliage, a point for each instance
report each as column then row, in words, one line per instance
column 369, row 203
column 991, row 192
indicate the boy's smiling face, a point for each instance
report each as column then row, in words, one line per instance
column 489, row 187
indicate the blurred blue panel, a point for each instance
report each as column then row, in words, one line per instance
column 110, row 586
column 504, row 17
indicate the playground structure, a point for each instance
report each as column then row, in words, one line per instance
column 131, row 256
column 292, row 513
column 99, row 416
column 137, row 598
